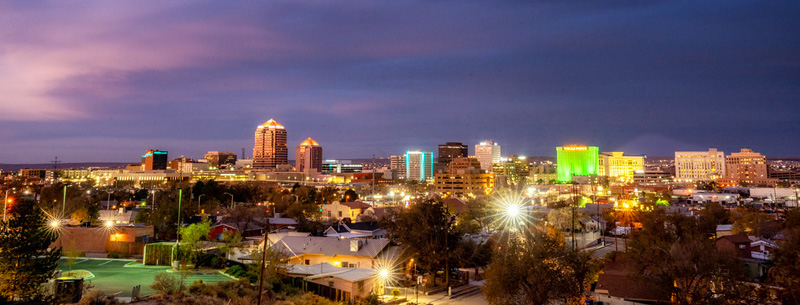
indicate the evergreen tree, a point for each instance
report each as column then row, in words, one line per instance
column 25, row 260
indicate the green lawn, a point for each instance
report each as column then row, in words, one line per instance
column 111, row 276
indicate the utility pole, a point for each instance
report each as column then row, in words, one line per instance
column 373, row 179
column 264, row 263
column 178, row 230
column 55, row 169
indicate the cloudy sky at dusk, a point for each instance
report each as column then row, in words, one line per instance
column 106, row 80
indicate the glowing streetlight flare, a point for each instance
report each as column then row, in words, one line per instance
column 54, row 223
column 384, row 273
column 109, row 223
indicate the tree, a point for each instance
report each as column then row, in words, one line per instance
column 563, row 219
column 192, row 238
column 786, row 272
column 25, row 260
column 537, row 268
column 474, row 219
column 426, row 231
column 350, row 195
column 672, row 252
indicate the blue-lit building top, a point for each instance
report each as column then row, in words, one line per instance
column 419, row 165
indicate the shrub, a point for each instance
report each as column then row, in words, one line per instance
column 165, row 283
column 395, row 293
column 97, row 297
column 236, row 270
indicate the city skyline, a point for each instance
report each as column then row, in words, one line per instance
column 104, row 82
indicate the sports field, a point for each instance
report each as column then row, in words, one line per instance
column 112, row 275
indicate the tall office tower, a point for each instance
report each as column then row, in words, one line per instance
column 747, row 166
column 270, row 146
column 488, row 153
column 419, row 165
column 616, row 164
column 398, row 164
column 451, row 150
column 699, row 165
column 217, row 158
column 154, row 159
column 308, row 156
column 576, row 160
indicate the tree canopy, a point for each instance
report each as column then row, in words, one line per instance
column 25, row 260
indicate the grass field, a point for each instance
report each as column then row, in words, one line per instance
column 112, row 276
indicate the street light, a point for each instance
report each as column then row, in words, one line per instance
column 199, row 198
column 232, row 203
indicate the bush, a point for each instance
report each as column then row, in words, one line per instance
column 395, row 293
column 97, row 297
column 236, row 270
column 167, row 284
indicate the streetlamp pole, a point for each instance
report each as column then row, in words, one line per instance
column 5, row 206
column 232, row 203
column 199, row 198
column 64, row 201
column 264, row 263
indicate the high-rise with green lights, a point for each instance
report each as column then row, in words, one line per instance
column 576, row 161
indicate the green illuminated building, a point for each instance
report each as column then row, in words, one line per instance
column 576, row 161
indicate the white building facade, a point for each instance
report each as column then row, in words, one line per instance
column 693, row 166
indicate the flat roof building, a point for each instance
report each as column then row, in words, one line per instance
column 699, row 165
column 576, row 160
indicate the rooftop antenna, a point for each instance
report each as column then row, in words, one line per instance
column 243, row 156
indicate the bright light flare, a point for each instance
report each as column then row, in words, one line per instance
column 109, row 223
column 509, row 211
column 54, row 224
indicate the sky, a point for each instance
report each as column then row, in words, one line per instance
column 107, row 80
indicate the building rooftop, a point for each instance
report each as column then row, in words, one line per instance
column 271, row 124
column 309, row 142
column 328, row 246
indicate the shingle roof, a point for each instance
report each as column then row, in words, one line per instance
column 329, row 246
column 356, row 205
column 737, row 239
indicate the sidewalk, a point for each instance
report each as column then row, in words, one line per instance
column 443, row 299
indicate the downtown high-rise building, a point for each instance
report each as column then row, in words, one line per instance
column 693, row 166
column 576, row 160
column 419, row 165
column 617, row 165
column 452, row 150
column 308, row 156
column 488, row 153
column 217, row 158
column 747, row 167
column 398, row 164
column 270, row 148
column 154, row 159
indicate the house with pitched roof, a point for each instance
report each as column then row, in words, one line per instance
column 344, row 210
column 369, row 229
column 350, row 253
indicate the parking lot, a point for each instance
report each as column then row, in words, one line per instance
column 112, row 275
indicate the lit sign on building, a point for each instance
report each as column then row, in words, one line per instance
column 575, row 147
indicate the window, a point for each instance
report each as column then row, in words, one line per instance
column 340, row 213
column 344, row 264
column 361, row 286
column 308, row 262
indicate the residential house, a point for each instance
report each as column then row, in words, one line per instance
column 351, row 253
column 356, row 230
column 344, row 210
column 336, row 283
column 754, row 252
